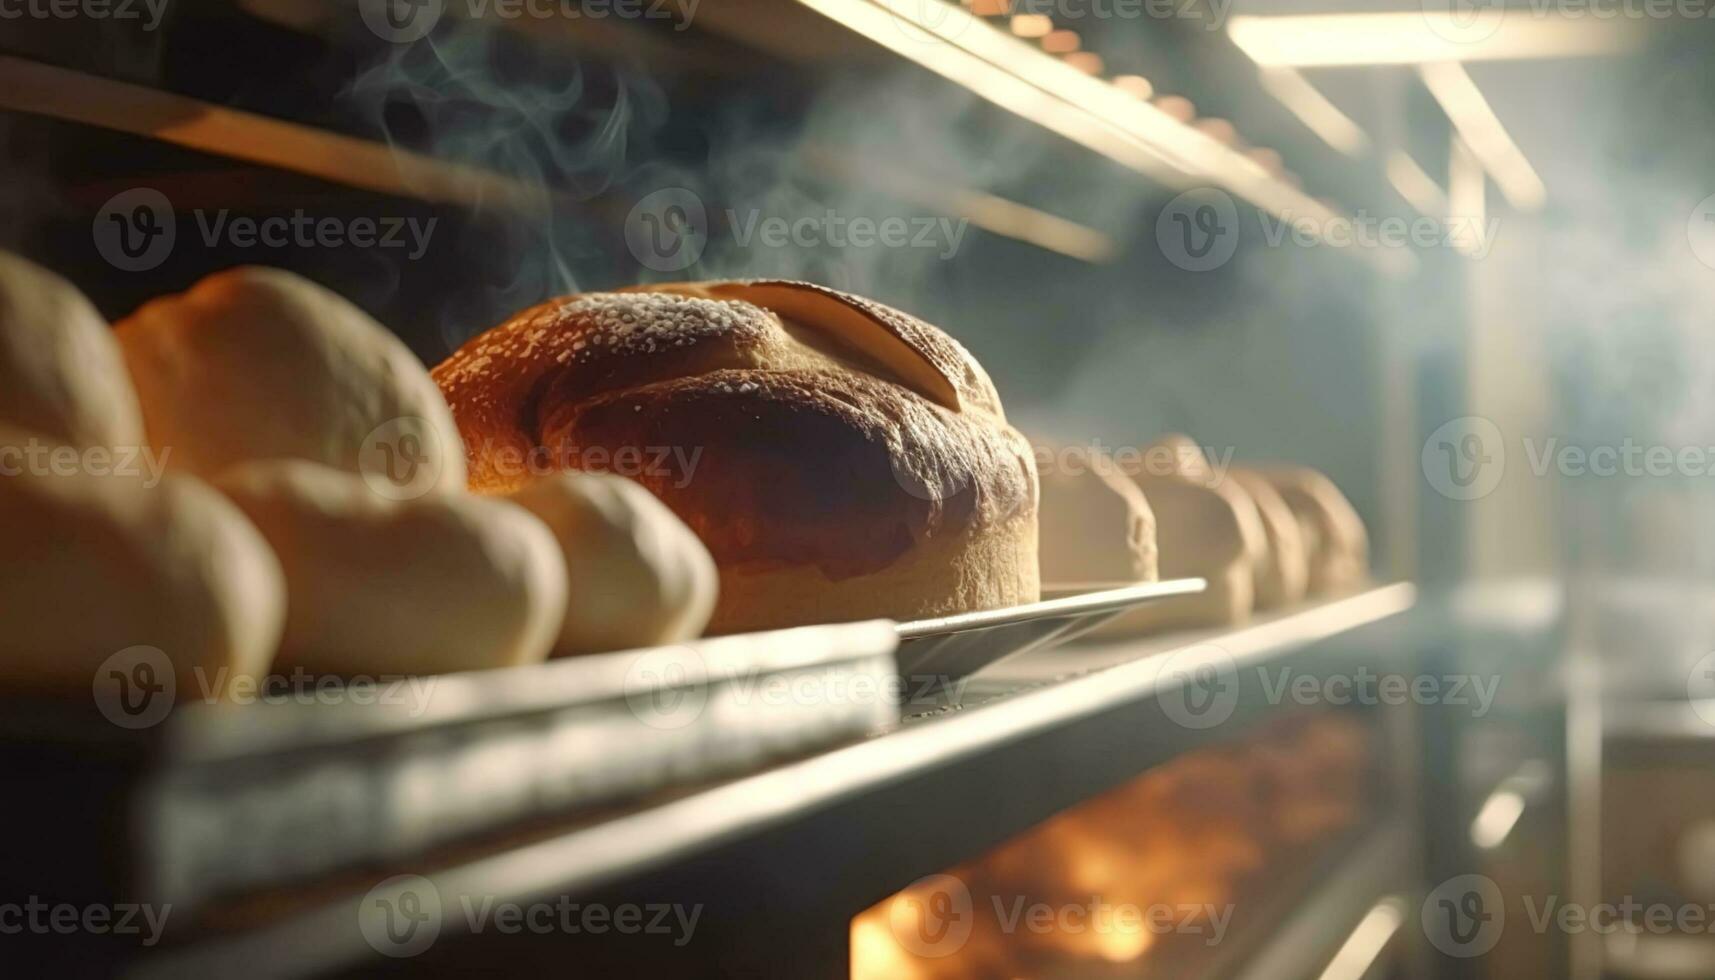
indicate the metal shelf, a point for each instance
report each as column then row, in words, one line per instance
column 792, row 853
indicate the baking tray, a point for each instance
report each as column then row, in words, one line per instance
column 224, row 800
column 937, row 655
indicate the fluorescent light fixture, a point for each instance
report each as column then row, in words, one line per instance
column 1357, row 957
column 1312, row 108
column 1018, row 76
column 1482, row 131
column 1467, row 200
column 1494, row 823
column 1418, row 188
column 1411, row 38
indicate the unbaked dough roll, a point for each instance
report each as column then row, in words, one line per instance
column 1284, row 575
column 61, row 373
column 257, row 363
column 432, row 585
column 1096, row 526
column 95, row 565
column 636, row 575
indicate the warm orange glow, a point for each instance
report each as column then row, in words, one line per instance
column 989, row 8
column 1060, row 42
column 1134, row 85
column 1087, row 62
column 1192, row 834
column 1178, row 107
column 1032, row 25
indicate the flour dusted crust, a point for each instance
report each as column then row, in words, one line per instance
column 61, row 373
column 256, row 363
column 839, row 458
column 99, row 564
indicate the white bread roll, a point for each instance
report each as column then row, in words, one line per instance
column 1283, row 577
column 256, row 363
column 1095, row 524
column 427, row 586
column 98, row 564
column 1206, row 528
column 636, row 576
column 61, row 373
column 1334, row 534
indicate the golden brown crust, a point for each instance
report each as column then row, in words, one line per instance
column 791, row 426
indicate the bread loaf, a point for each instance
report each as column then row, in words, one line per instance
column 445, row 582
column 841, row 460
column 1096, row 526
column 1207, row 528
column 61, row 373
column 257, row 363
column 95, row 565
column 1283, row 576
column 636, row 576
column 1334, row 534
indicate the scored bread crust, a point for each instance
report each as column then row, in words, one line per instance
column 823, row 446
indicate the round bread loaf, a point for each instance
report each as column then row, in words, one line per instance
column 1284, row 575
column 635, row 574
column 61, row 373
column 1334, row 535
column 96, row 565
column 442, row 583
column 1096, row 525
column 255, row 363
column 840, row 459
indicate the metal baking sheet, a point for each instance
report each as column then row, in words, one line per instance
column 935, row 655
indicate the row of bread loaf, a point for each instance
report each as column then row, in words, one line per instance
column 279, row 534
column 1262, row 538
